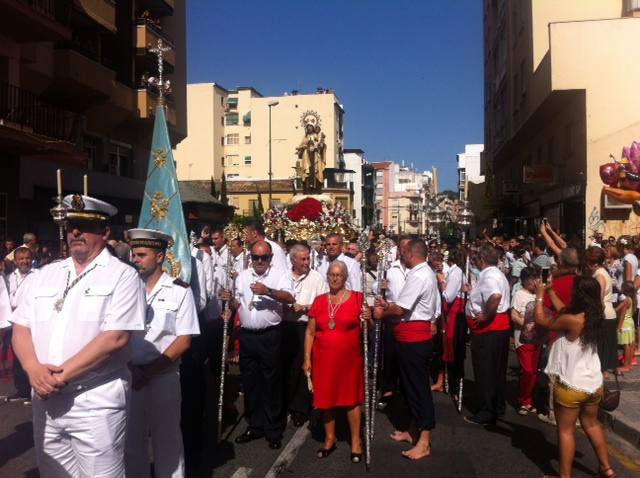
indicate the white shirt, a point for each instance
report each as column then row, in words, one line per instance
column 420, row 296
column 305, row 289
column 171, row 313
column 453, row 284
column 519, row 303
column 261, row 311
column 198, row 283
column 220, row 257
column 109, row 296
column 207, row 269
column 396, row 277
column 279, row 259
column 5, row 305
column 490, row 282
column 18, row 284
column 354, row 279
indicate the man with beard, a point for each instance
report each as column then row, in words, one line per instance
column 71, row 334
column 333, row 249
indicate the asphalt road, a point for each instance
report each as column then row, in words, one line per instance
column 518, row 446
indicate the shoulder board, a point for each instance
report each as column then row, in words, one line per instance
column 181, row 283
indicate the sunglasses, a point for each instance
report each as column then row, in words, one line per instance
column 263, row 258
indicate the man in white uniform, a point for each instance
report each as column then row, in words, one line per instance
column 307, row 285
column 18, row 282
column 333, row 248
column 71, row 334
column 171, row 321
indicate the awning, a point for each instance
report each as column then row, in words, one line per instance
column 247, row 118
column 232, row 102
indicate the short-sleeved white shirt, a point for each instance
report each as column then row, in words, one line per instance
column 171, row 313
column 396, row 277
column 5, row 306
column 420, row 296
column 261, row 311
column 110, row 296
column 491, row 281
column 306, row 288
column 519, row 303
column 18, row 284
column 279, row 259
column 453, row 284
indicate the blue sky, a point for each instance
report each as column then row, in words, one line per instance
column 409, row 73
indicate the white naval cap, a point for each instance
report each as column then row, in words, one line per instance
column 86, row 208
column 149, row 238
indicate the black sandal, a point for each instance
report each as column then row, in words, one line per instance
column 356, row 457
column 324, row 452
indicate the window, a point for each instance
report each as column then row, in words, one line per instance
column 222, row 120
column 92, row 148
column 231, row 119
column 247, row 140
column 221, row 140
column 232, row 160
column 232, row 102
column 247, row 160
column 232, row 175
column 233, row 138
column 221, row 100
column 120, row 163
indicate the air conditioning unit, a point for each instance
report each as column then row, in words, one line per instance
column 610, row 203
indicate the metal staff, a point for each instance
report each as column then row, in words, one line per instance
column 59, row 215
column 461, row 379
column 231, row 232
column 383, row 265
column 363, row 243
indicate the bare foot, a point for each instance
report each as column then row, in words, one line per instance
column 401, row 437
column 417, row 452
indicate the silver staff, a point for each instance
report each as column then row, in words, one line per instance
column 461, row 379
column 383, row 249
column 363, row 244
column 231, row 232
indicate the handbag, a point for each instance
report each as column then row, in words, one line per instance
column 611, row 398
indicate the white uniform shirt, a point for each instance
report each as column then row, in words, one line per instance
column 219, row 257
column 453, row 284
column 420, row 296
column 491, row 281
column 109, row 296
column 5, row 305
column 261, row 311
column 279, row 259
column 354, row 279
column 396, row 277
column 207, row 269
column 171, row 312
column 198, row 283
column 18, row 285
column 306, row 288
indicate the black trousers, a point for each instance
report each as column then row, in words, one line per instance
column 297, row 396
column 20, row 378
column 414, row 359
column 389, row 359
column 261, row 369
column 489, row 353
column 203, row 357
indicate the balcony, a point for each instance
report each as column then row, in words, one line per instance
column 147, row 36
column 30, row 123
column 80, row 77
column 35, row 20
column 148, row 102
column 157, row 7
column 102, row 12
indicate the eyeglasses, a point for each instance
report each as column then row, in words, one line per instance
column 263, row 258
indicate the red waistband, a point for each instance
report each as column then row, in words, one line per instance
column 412, row 331
column 500, row 322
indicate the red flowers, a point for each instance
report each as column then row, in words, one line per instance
column 308, row 208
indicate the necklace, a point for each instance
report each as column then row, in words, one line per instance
column 333, row 309
column 60, row 302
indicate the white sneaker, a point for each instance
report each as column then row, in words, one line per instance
column 549, row 419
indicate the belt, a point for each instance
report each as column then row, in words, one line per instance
column 80, row 387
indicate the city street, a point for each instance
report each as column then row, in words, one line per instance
column 518, row 446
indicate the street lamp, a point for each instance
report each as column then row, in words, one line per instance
column 271, row 104
column 436, row 215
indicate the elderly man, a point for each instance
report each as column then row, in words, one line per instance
column 333, row 250
column 413, row 311
column 171, row 321
column 18, row 283
column 307, row 285
column 487, row 312
column 71, row 334
column 261, row 291
column 254, row 232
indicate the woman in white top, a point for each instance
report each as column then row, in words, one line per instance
column 575, row 368
column 607, row 349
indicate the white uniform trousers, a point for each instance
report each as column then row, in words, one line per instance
column 155, row 412
column 82, row 435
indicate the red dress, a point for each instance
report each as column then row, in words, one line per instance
column 336, row 366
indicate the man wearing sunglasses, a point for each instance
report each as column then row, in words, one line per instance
column 261, row 291
column 71, row 333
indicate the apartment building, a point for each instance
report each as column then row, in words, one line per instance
column 560, row 97
column 469, row 167
column 363, row 186
column 249, row 138
column 78, row 92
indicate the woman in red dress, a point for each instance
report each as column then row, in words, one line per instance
column 333, row 357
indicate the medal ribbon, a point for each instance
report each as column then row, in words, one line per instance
column 60, row 302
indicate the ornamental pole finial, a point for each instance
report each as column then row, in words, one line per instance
column 159, row 51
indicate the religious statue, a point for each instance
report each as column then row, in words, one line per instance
column 311, row 153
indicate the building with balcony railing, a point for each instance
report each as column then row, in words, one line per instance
column 71, row 98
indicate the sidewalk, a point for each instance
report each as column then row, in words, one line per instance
column 625, row 421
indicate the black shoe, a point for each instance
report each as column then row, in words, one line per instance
column 298, row 419
column 275, row 444
column 16, row 397
column 356, row 457
column 247, row 436
column 475, row 420
column 325, row 452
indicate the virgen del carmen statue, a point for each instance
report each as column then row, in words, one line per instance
column 311, row 154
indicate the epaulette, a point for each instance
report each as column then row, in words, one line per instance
column 181, row 283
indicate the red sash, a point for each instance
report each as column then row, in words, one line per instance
column 452, row 312
column 500, row 322
column 412, row 331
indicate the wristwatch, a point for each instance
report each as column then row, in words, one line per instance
column 269, row 291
